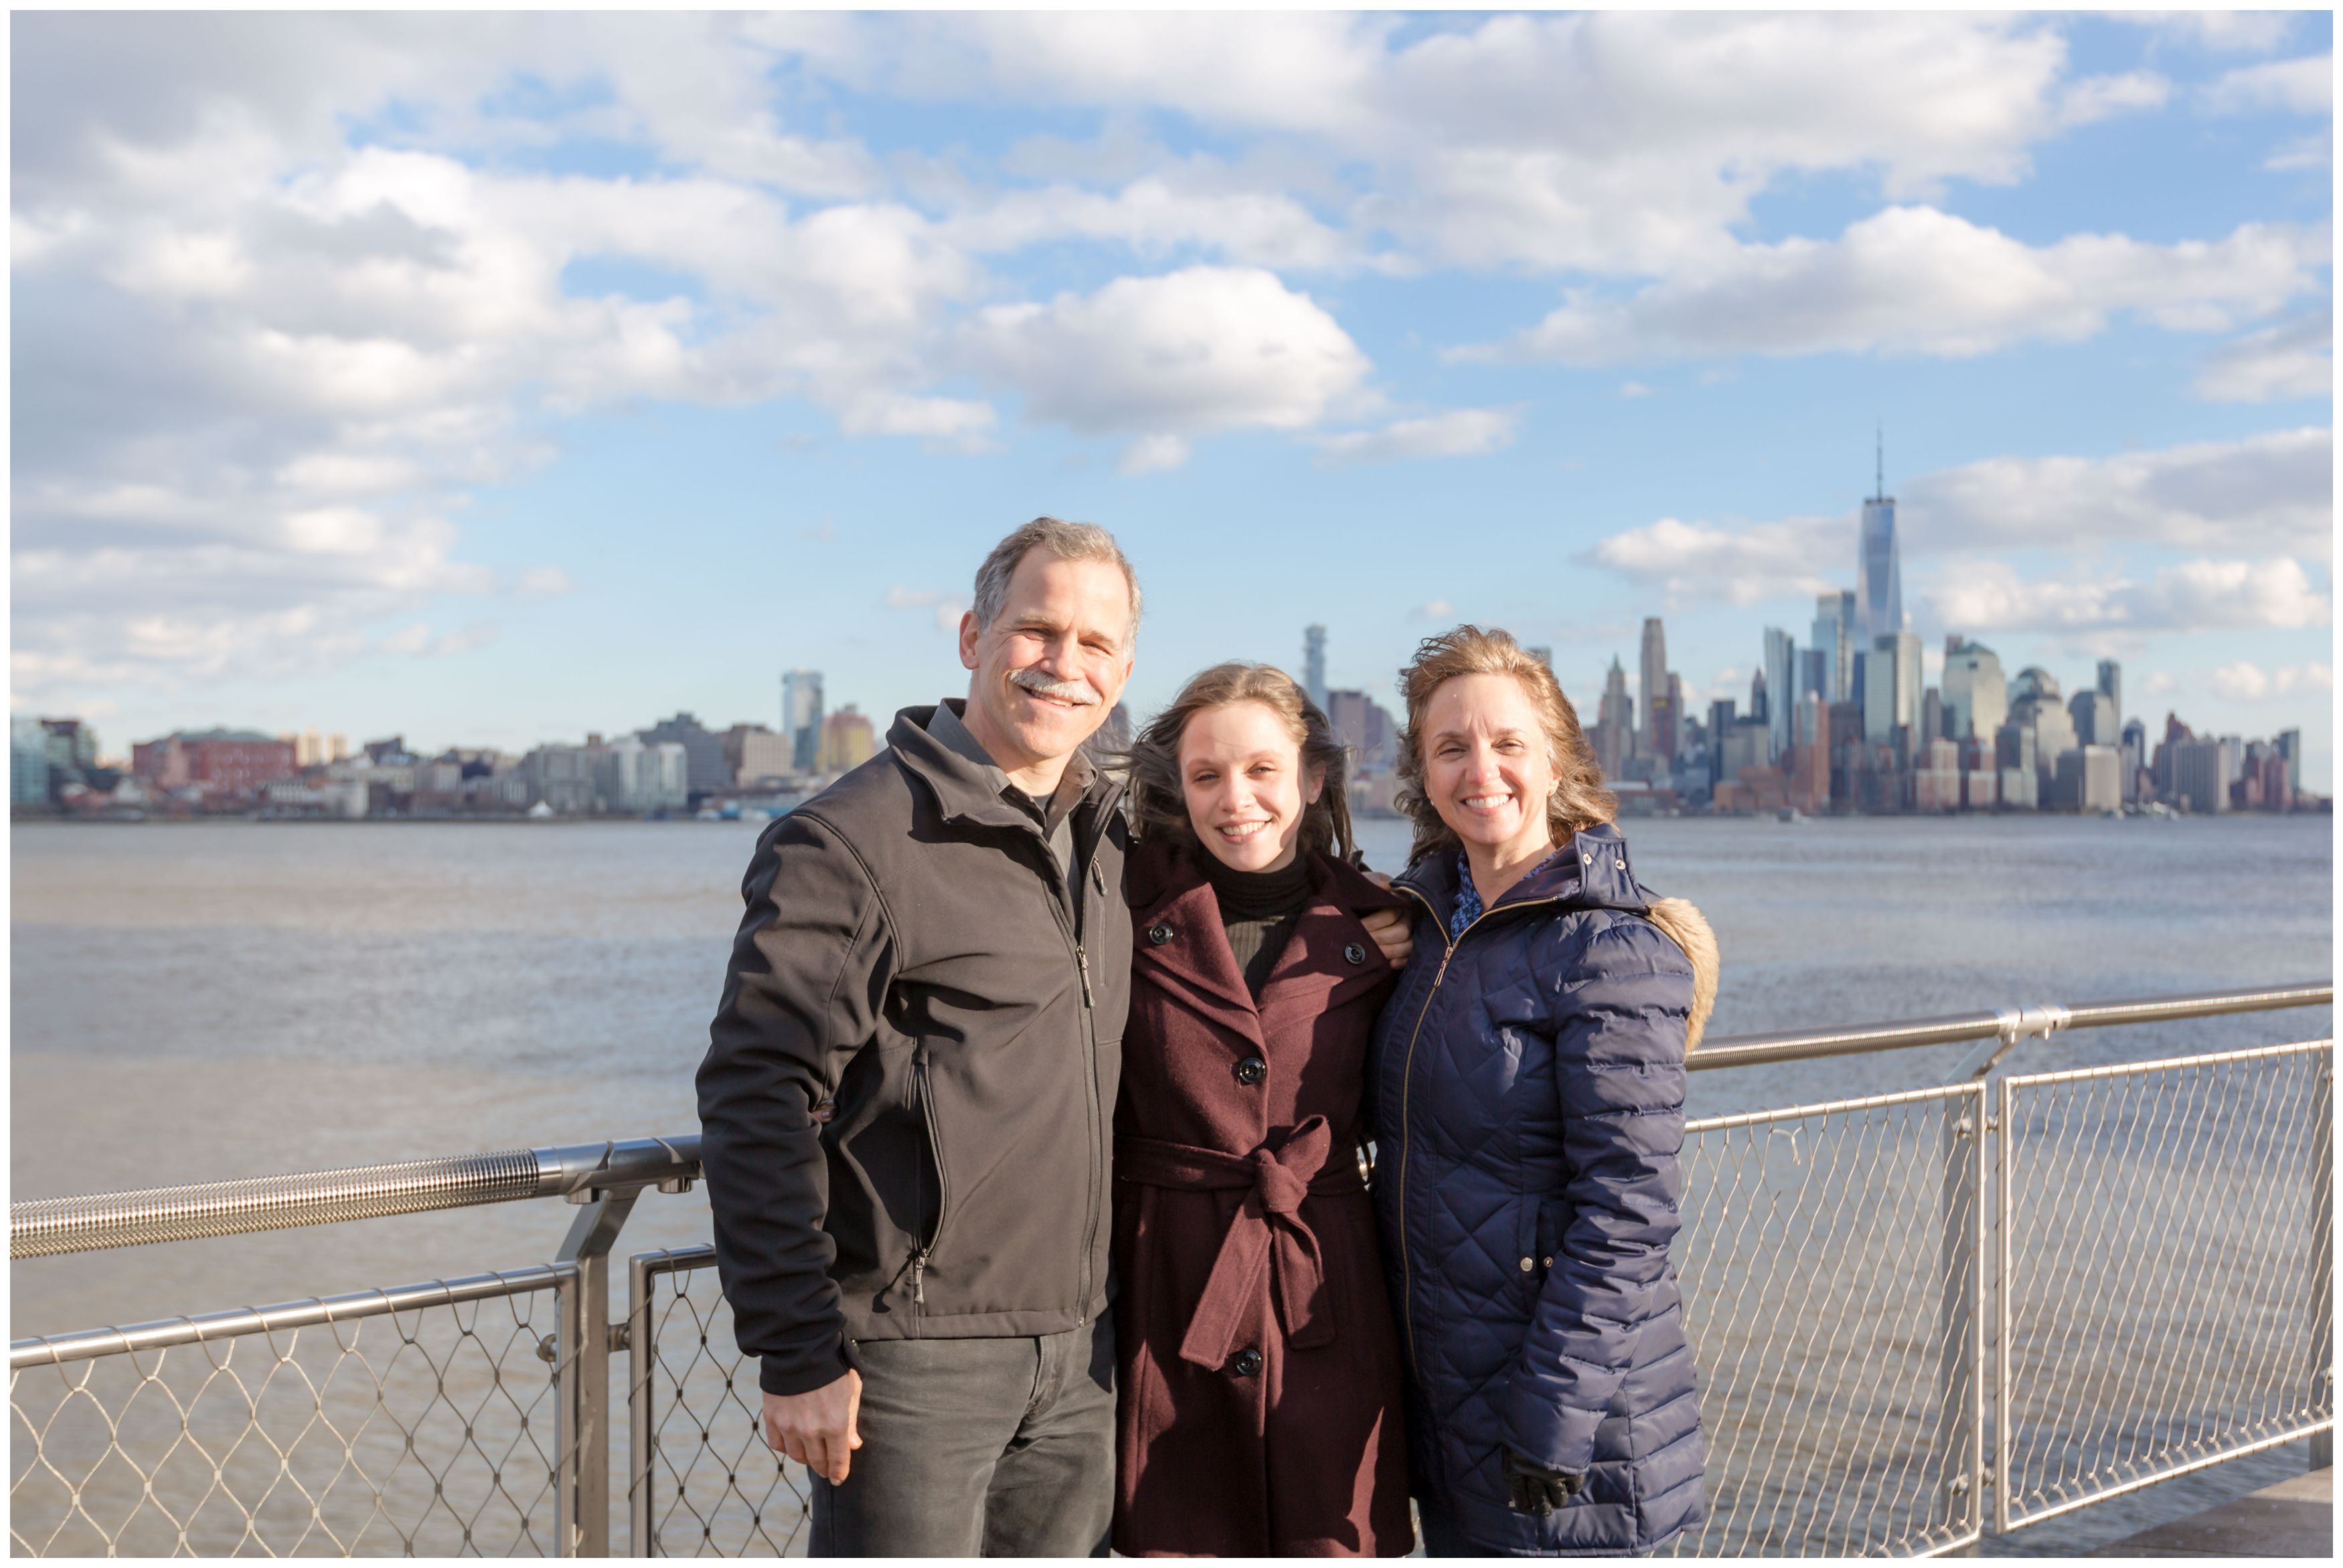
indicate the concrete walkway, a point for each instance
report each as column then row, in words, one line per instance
column 2295, row 1518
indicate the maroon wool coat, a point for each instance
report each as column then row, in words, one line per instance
column 1259, row 1389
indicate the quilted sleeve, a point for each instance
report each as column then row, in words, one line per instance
column 1622, row 1007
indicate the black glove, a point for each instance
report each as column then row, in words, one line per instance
column 1534, row 1489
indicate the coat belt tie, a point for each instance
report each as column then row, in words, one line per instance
column 1267, row 1229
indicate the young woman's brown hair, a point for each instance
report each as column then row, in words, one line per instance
column 1161, row 804
column 1579, row 800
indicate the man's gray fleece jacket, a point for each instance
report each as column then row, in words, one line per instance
column 907, row 1106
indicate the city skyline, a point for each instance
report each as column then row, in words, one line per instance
column 509, row 378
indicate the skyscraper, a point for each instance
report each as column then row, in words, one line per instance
column 1891, row 687
column 1878, row 569
column 2094, row 713
column 2111, row 685
column 1614, row 727
column 1976, row 695
column 802, row 717
column 1835, row 640
column 1781, row 691
column 1659, row 717
column 1313, row 664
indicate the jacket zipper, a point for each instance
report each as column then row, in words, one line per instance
column 1406, row 1076
column 920, row 1254
column 1062, row 906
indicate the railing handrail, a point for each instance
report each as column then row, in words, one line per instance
column 1802, row 1045
column 44, row 1227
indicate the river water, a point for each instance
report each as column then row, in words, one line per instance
column 194, row 1002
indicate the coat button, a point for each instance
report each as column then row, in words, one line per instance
column 1354, row 953
column 1246, row 1362
column 1159, row 933
column 1528, row 1263
column 1251, row 1070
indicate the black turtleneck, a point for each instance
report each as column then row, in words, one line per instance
column 1258, row 910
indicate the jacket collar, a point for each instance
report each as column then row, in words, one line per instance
column 970, row 791
column 1594, row 871
column 1178, row 941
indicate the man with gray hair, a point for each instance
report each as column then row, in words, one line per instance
column 908, row 1100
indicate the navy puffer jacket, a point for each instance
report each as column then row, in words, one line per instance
column 1528, row 1098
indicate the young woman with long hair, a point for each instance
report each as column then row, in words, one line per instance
column 1259, row 1399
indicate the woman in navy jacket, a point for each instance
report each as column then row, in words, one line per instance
column 1528, row 1095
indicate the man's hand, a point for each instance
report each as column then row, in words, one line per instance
column 816, row 1428
column 1390, row 929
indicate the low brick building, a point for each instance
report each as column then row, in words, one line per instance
column 217, row 761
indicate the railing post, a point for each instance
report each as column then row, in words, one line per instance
column 584, row 1487
column 2322, row 1251
column 2005, row 1485
column 639, row 1355
column 1960, row 1198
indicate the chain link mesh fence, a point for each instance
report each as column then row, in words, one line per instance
column 2163, row 1238
column 704, row 1483
column 2167, row 1263
column 1828, row 1259
column 418, row 1422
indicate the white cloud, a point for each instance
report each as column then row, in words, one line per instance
column 544, row 582
column 955, row 423
column 2195, row 596
column 2095, row 98
column 1460, row 433
column 418, row 640
column 1739, row 565
column 944, row 609
column 2243, row 31
column 2294, row 359
column 1633, row 389
column 1915, row 280
column 2272, row 492
column 1204, row 348
column 1154, row 219
column 1614, row 141
column 1432, row 610
column 1154, row 454
column 2159, row 683
column 2245, row 681
column 2315, row 151
column 2298, row 86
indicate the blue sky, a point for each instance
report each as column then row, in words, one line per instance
column 496, row 379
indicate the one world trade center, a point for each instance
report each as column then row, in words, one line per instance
column 1878, row 569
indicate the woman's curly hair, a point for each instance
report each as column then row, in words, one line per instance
column 1579, row 800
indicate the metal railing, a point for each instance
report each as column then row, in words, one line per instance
column 420, row 1421
column 703, row 1483
column 1836, row 1259
column 2167, row 1258
column 1833, row 1301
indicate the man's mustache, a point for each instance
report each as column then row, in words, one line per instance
column 1041, row 685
